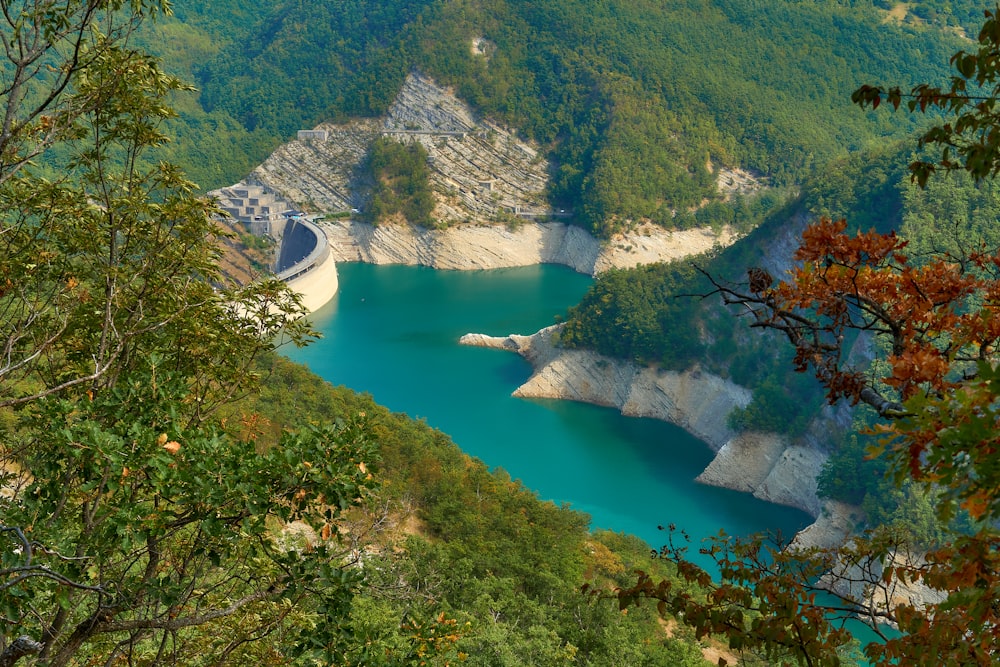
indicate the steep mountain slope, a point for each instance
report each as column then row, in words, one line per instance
column 628, row 100
column 480, row 171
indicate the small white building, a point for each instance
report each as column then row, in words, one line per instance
column 313, row 135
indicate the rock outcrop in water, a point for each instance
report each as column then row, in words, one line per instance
column 764, row 464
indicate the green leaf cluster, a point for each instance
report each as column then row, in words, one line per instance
column 138, row 520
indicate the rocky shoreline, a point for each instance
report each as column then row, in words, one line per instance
column 766, row 465
column 484, row 246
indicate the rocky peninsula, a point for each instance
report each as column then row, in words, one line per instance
column 766, row 465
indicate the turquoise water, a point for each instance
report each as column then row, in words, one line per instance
column 393, row 331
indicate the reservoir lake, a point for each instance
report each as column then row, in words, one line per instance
column 392, row 331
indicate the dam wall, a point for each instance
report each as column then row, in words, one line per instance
column 306, row 265
column 300, row 240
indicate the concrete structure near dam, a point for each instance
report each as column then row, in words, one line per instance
column 263, row 211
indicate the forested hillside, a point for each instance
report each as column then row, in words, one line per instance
column 656, row 314
column 466, row 565
column 637, row 102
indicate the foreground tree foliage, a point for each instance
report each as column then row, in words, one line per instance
column 493, row 575
column 159, row 503
column 137, row 526
column 932, row 323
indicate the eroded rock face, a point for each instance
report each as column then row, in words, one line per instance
column 480, row 171
column 500, row 246
column 489, row 187
column 834, row 525
column 464, row 247
column 320, row 176
column 764, row 464
column 771, row 468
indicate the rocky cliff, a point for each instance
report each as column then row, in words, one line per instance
column 498, row 246
column 862, row 577
column 489, row 187
column 692, row 400
column 764, row 464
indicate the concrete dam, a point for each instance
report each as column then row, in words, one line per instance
column 305, row 264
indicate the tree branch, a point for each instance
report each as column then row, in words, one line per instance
column 19, row 648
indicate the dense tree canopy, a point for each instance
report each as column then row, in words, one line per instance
column 930, row 317
column 635, row 315
column 631, row 100
column 401, row 180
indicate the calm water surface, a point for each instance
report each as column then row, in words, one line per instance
column 393, row 331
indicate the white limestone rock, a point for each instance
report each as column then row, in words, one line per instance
column 834, row 525
column 764, row 464
column 470, row 247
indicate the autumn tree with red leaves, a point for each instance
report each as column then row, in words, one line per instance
column 934, row 325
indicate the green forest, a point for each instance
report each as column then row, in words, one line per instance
column 402, row 187
column 175, row 492
column 635, row 103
